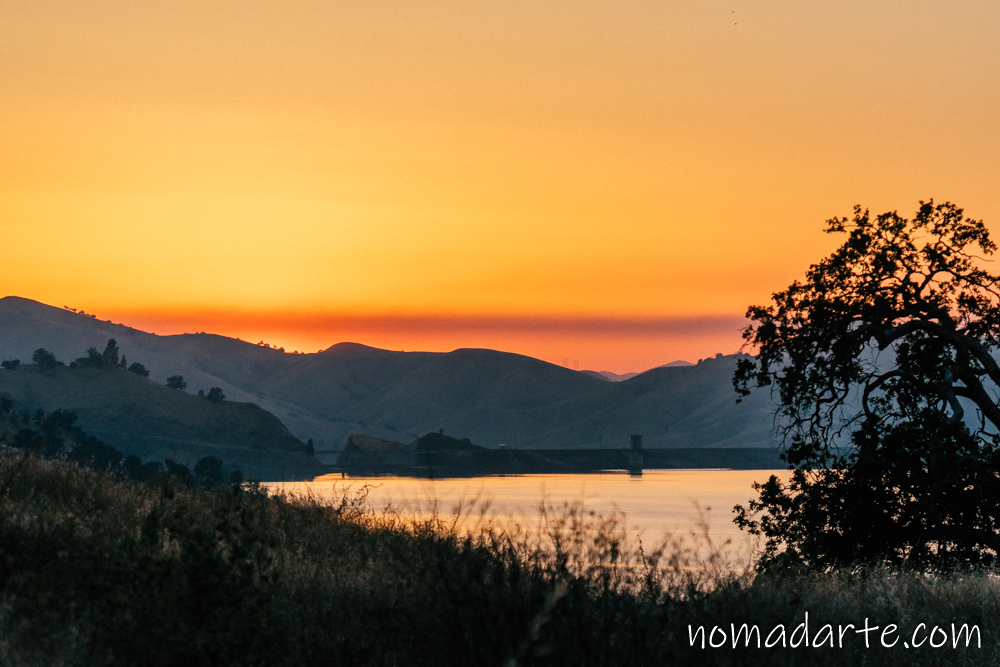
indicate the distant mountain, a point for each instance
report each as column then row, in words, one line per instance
column 488, row 396
column 621, row 377
column 616, row 377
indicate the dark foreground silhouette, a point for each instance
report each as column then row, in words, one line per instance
column 96, row 570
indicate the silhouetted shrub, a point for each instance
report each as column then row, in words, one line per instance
column 110, row 354
column 138, row 369
column 178, row 471
column 93, row 453
column 208, row 471
column 92, row 360
column 45, row 359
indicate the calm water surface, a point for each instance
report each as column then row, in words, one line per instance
column 653, row 505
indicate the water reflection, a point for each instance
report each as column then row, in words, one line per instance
column 652, row 505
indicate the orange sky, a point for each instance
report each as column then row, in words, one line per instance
column 605, row 182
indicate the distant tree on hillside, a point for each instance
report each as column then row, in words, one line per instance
column 138, row 369
column 93, row 453
column 208, row 471
column 176, row 382
column 110, row 355
column 178, row 471
column 310, row 447
column 10, row 364
column 215, row 395
column 45, row 359
column 94, row 359
column 151, row 471
column 132, row 465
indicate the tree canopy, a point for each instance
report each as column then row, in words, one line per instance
column 882, row 361
column 45, row 359
column 176, row 382
column 110, row 354
column 138, row 369
column 107, row 359
column 94, row 359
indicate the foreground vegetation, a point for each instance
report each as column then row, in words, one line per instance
column 100, row 570
column 884, row 363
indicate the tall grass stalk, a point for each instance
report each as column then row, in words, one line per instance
column 99, row 571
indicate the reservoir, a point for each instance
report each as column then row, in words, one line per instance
column 652, row 506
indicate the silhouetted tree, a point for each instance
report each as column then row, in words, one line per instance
column 45, row 359
column 178, row 471
column 310, row 447
column 152, row 471
column 176, row 382
column 215, row 395
column 208, row 471
column 93, row 453
column 138, row 369
column 110, row 354
column 883, row 364
column 94, row 359
column 50, row 435
column 132, row 465
column 10, row 364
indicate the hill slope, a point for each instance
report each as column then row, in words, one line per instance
column 488, row 396
column 140, row 417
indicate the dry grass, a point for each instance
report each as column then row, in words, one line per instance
column 96, row 571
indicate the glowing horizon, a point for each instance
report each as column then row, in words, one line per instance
column 587, row 343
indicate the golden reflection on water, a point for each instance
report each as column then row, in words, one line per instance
column 658, row 503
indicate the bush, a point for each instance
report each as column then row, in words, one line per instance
column 138, row 369
column 45, row 359
column 176, row 382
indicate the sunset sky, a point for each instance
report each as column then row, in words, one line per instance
column 610, row 183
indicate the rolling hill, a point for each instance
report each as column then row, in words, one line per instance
column 154, row 422
column 487, row 396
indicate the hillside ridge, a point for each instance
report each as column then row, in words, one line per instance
column 489, row 396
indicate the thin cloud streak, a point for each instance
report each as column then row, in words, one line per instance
column 619, row 344
column 617, row 327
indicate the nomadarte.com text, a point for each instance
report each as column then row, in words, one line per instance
column 834, row 636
